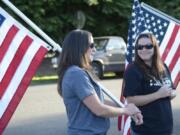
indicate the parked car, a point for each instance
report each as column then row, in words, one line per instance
column 109, row 55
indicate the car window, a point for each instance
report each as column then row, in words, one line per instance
column 100, row 44
column 114, row 44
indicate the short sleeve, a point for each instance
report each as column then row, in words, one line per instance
column 132, row 78
column 81, row 84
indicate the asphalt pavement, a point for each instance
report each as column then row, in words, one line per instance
column 42, row 112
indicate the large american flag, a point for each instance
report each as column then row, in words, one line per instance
column 21, row 52
column 167, row 31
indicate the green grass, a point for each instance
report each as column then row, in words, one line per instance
column 39, row 78
column 109, row 74
column 53, row 78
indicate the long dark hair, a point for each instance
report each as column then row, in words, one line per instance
column 157, row 69
column 74, row 49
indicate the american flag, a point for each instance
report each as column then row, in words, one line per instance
column 164, row 28
column 167, row 31
column 21, row 52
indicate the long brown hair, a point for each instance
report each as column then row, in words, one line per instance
column 157, row 69
column 74, row 49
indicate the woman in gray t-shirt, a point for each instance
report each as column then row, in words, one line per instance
column 86, row 108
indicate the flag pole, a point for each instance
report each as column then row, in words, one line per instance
column 155, row 11
column 111, row 96
column 56, row 47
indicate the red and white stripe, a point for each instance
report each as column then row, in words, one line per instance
column 21, row 53
column 124, row 121
column 170, row 50
column 127, row 124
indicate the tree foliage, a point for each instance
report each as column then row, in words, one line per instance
column 103, row 17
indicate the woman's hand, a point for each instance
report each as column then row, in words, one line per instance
column 164, row 91
column 131, row 109
column 138, row 118
column 134, row 112
column 173, row 93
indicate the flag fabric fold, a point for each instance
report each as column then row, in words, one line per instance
column 21, row 52
column 167, row 31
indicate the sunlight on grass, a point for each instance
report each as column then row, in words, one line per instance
column 54, row 77
column 109, row 74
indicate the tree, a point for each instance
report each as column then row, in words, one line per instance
column 103, row 17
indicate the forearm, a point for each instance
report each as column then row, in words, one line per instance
column 130, row 109
column 103, row 110
column 110, row 111
column 110, row 102
column 140, row 100
column 143, row 99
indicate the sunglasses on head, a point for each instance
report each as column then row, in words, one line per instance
column 91, row 45
column 147, row 46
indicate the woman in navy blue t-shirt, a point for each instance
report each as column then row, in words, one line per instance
column 148, row 85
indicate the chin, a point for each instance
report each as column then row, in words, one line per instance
column 91, row 58
column 146, row 57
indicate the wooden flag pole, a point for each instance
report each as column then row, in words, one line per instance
column 56, row 47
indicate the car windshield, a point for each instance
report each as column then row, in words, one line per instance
column 100, row 44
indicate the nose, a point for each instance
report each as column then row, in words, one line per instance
column 94, row 49
column 144, row 48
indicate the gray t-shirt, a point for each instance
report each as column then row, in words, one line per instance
column 76, row 86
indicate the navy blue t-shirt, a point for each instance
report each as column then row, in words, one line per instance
column 76, row 86
column 157, row 115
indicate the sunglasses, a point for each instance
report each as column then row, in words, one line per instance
column 147, row 46
column 91, row 45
